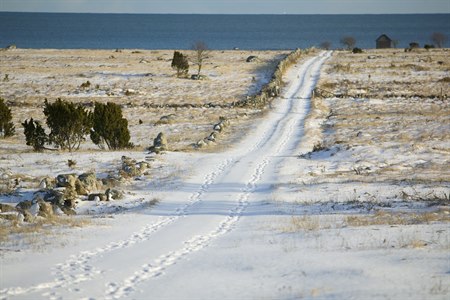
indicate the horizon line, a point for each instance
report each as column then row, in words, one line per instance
column 234, row 14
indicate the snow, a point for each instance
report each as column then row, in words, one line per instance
column 237, row 224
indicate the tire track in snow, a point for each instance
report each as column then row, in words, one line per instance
column 158, row 266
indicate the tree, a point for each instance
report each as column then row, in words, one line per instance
column 109, row 127
column 325, row 45
column 34, row 134
column 68, row 123
column 201, row 53
column 180, row 63
column 349, row 42
column 439, row 39
column 6, row 125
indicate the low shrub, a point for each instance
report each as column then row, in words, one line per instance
column 7, row 128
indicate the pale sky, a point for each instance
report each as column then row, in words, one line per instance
column 230, row 6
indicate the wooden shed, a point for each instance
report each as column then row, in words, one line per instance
column 383, row 41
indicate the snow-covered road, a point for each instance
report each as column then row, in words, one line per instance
column 146, row 249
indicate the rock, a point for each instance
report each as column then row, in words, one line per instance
column 34, row 209
column 159, row 143
column 47, row 183
column 55, row 197
column 80, row 189
column 129, row 92
column 113, row 194
column 201, row 144
column 100, row 196
column 89, row 182
column 68, row 211
column 45, row 209
column 196, row 77
column 168, row 119
column 68, row 203
column 129, row 167
column 24, row 205
column 66, row 180
column 251, row 58
column 212, row 137
column 218, row 127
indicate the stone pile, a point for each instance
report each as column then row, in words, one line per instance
column 217, row 130
column 60, row 195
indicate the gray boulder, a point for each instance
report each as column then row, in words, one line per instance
column 66, row 180
column 159, row 144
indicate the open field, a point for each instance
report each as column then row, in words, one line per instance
column 142, row 82
column 343, row 193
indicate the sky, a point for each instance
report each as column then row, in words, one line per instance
column 230, row 6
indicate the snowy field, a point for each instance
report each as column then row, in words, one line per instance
column 343, row 195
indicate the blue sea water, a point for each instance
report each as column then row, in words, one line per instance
column 263, row 32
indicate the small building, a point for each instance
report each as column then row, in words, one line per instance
column 383, row 41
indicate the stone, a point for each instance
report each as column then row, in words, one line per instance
column 251, row 58
column 55, row 197
column 45, row 209
column 218, row 127
column 89, row 182
column 113, row 194
column 159, row 144
column 101, row 197
column 47, row 183
column 201, row 144
column 24, row 205
column 68, row 211
column 66, row 180
column 80, row 189
column 168, row 119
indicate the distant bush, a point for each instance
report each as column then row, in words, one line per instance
column 7, row 128
column 180, row 63
column 68, row 124
column 439, row 39
column 428, row 47
column 348, row 41
column 325, row 45
column 109, row 127
column 35, row 134
column 357, row 50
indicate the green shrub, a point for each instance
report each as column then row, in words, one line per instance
column 357, row 50
column 34, row 134
column 109, row 127
column 6, row 126
column 68, row 123
column 180, row 63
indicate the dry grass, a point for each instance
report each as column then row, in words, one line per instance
column 40, row 226
column 315, row 223
column 398, row 218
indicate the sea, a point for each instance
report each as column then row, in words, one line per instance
column 221, row 32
